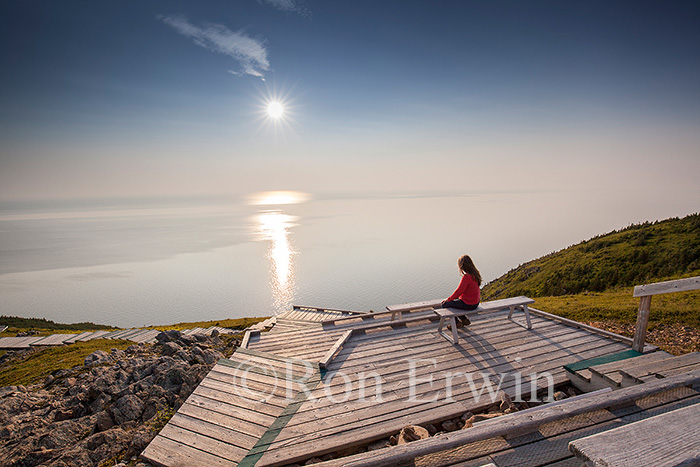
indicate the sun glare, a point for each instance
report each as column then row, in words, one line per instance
column 275, row 110
column 269, row 198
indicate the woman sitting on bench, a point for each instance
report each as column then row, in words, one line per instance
column 468, row 294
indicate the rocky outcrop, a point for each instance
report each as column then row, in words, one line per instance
column 110, row 408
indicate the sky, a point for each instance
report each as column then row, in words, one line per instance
column 168, row 97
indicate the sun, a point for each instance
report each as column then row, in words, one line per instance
column 275, row 110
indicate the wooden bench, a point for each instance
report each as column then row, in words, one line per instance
column 451, row 314
column 397, row 310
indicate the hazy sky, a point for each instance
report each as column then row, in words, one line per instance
column 165, row 97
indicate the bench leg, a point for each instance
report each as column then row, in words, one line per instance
column 453, row 322
column 527, row 316
column 526, row 310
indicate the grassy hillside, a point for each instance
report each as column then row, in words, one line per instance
column 634, row 255
column 37, row 365
column 592, row 282
column 16, row 324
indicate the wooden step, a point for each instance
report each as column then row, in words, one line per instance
column 580, row 375
column 649, row 371
column 608, row 374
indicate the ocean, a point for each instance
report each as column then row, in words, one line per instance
column 144, row 262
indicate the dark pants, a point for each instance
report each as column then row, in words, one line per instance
column 460, row 305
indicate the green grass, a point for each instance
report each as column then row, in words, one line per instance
column 238, row 323
column 619, row 306
column 36, row 366
column 16, row 324
column 635, row 255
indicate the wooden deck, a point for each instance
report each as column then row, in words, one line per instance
column 274, row 404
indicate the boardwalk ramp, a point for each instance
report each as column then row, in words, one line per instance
column 327, row 385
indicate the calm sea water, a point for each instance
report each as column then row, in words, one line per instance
column 145, row 262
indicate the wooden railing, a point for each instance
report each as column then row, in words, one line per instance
column 645, row 292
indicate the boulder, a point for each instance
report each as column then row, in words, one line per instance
column 97, row 358
column 170, row 348
column 127, row 408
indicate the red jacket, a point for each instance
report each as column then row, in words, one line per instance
column 468, row 291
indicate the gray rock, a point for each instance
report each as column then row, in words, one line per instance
column 10, row 390
column 186, row 340
column 171, row 348
column 449, row 425
column 97, row 358
column 127, row 408
column 104, row 421
column 182, row 355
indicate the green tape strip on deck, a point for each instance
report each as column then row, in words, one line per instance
column 280, row 422
column 583, row 364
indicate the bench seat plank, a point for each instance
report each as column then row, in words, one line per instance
column 512, row 303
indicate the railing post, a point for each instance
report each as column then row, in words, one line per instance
column 642, row 323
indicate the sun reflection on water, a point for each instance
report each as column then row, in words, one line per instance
column 275, row 226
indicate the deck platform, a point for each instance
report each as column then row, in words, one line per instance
column 274, row 403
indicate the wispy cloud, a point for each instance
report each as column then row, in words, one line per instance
column 288, row 5
column 250, row 53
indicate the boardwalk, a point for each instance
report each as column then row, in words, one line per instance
column 137, row 335
column 274, row 404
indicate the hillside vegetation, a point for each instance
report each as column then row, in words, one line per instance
column 635, row 255
column 592, row 282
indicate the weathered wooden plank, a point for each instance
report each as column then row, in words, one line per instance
column 513, row 425
column 166, row 452
column 297, row 338
column 251, row 391
column 417, row 414
column 397, row 371
column 18, row 342
column 235, row 438
column 252, row 398
column 338, row 344
column 301, row 307
column 424, row 390
column 472, row 351
column 77, row 337
column 635, row 374
column 229, row 404
column 640, row 330
column 678, row 285
column 53, row 339
column 477, row 332
column 602, row 369
column 669, row 439
column 274, row 361
column 226, row 420
column 94, row 335
column 509, row 452
column 146, row 337
column 576, row 324
column 213, row 446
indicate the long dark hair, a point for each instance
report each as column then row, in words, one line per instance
column 466, row 265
